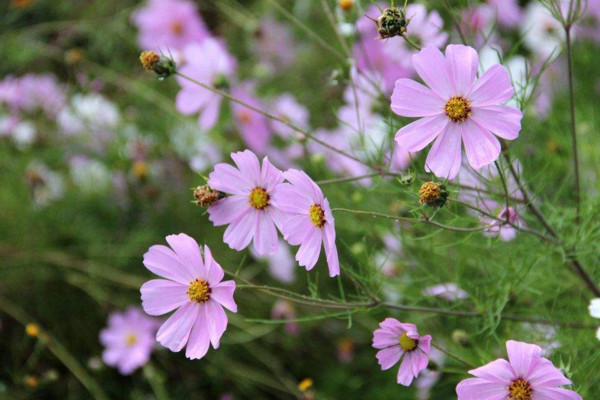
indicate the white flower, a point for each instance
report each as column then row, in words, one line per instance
column 90, row 176
column 595, row 308
column 543, row 35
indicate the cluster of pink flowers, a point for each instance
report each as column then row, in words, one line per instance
column 259, row 203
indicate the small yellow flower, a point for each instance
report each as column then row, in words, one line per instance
column 305, row 384
column 346, row 5
column 32, row 330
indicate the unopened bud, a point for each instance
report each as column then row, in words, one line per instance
column 163, row 66
column 206, row 196
column 433, row 194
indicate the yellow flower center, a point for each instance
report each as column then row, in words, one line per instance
column 199, row 291
column 520, row 390
column 130, row 340
column 317, row 215
column 407, row 343
column 245, row 117
column 259, row 198
column 429, row 192
column 458, row 109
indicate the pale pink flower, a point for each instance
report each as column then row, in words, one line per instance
column 209, row 63
column 283, row 309
column 449, row 291
column 194, row 287
column 169, row 24
column 287, row 108
column 249, row 211
column 281, row 264
column 508, row 12
column 128, row 340
column 252, row 125
column 397, row 340
column 455, row 108
column 308, row 220
column 525, row 376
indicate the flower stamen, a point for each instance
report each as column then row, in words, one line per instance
column 130, row 340
column 199, row 291
column 259, row 198
column 407, row 344
column 520, row 389
column 458, row 109
column 317, row 215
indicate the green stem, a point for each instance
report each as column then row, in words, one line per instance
column 446, row 352
column 573, row 127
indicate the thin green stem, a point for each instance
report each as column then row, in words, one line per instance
column 577, row 182
column 454, row 356
column 505, row 187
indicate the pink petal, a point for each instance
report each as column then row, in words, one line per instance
column 160, row 296
column 247, row 162
column 481, row 146
column 265, row 237
column 188, row 101
column 425, row 343
column 415, row 136
column 304, row 185
column 556, row 394
column 387, row 358
column 445, row 155
column 217, row 322
column 420, row 362
column 411, row 99
column 163, row 262
column 503, row 121
column 199, row 340
column 210, row 114
column 290, row 200
column 228, row 209
column 405, row 373
column 522, row 356
column 430, row 64
column 189, row 253
column 297, row 228
column 227, row 179
column 383, row 338
column 496, row 371
column 546, row 374
column 174, row 333
column 270, row 176
column 308, row 253
column 214, row 272
column 479, row 389
column 331, row 253
column 240, row 232
column 223, row 294
column 462, row 64
column 493, row 87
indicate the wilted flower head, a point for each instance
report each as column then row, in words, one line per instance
column 169, row 24
column 397, row 340
column 128, row 340
column 525, row 376
column 194, row 287
column 456, row 108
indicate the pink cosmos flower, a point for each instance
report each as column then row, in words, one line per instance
column 525, row 376
column 128, row 340
column 287, row 108
column 169, row 24
column 508, row 12
column 456, row 107
column 249, row 210
column 193, row 287
column 253, row 126
column 209, row 63
column 308, row 220
column 394, row 340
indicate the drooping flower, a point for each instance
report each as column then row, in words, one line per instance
column 396, row 340
column 195, row 288
column 169, row 24
column 308, row 220
column 455, row 108
column 250, row 210
column 128, row 340
column 525, row 376
column 209, row 63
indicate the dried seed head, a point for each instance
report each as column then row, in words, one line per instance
column 206, row 196
column 433, row 194
column 392, row 22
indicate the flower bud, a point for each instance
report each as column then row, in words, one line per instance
column 163, row 66
column 433, row 194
